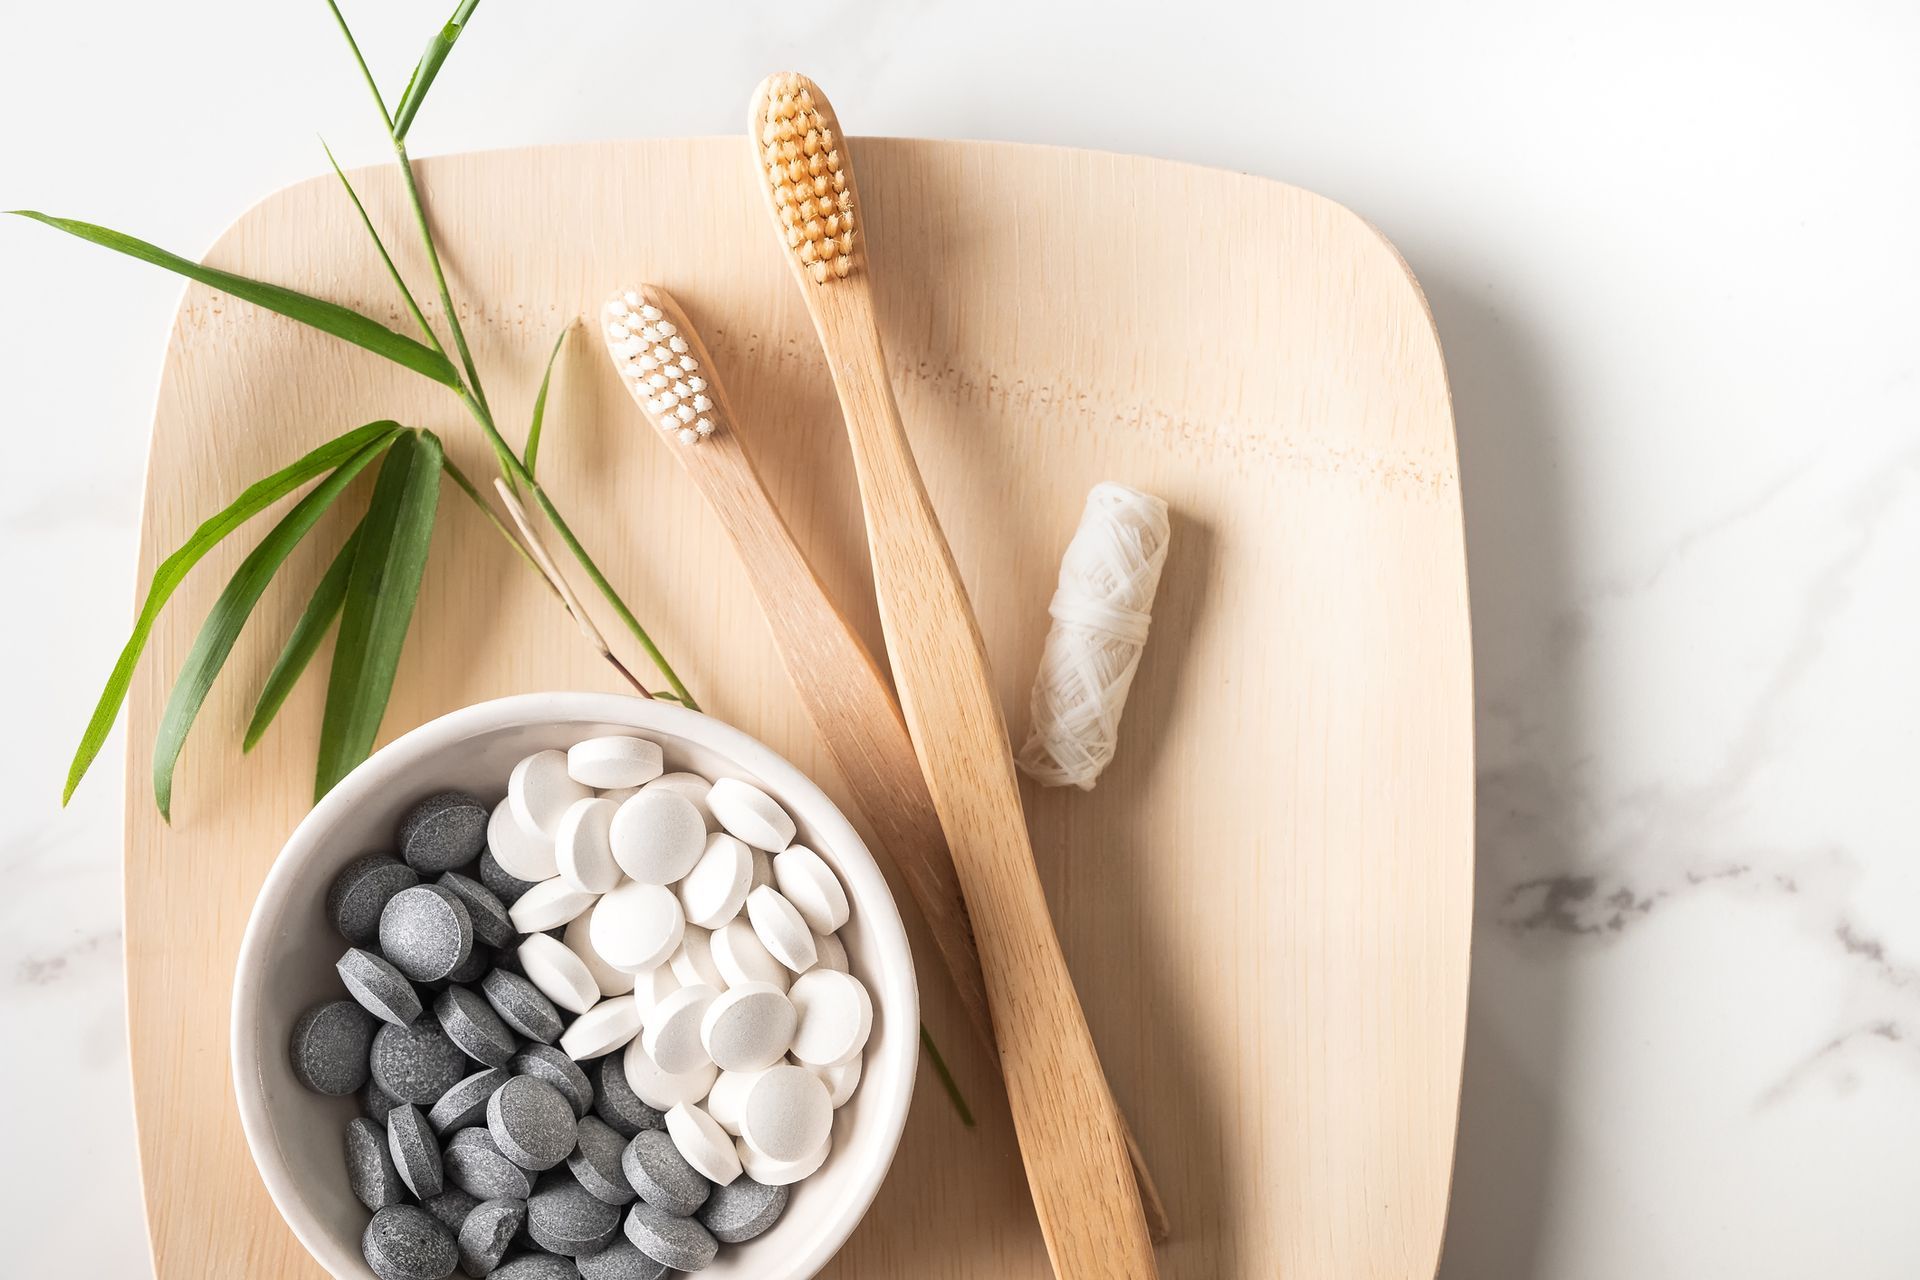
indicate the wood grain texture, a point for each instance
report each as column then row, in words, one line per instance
column 1266, row 902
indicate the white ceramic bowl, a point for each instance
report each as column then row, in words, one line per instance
column 286, row 964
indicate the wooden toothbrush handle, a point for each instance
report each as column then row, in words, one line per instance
column 1068, row 1127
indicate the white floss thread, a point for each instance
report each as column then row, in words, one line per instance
column 1100, row 614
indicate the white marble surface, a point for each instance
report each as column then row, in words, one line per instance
column 1671, row 248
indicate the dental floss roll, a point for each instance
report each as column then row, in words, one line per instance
column 1101, row 610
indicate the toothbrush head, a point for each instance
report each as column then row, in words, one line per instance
column 796, row 139
column 662, row 362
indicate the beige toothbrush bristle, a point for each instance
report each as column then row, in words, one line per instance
column 800, row 152
column 659, row 366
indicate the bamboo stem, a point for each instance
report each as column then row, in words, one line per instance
column 558, row 581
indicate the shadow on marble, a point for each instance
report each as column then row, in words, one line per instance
column 1519, row 571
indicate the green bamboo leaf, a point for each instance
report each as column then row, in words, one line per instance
column 428, row 67
column 304, row 641
column 531, row 454
column 381, row 590
column 230, row 613
column 173, row 571
column 317, row 313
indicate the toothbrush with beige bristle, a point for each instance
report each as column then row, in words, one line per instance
column 1070, row 1134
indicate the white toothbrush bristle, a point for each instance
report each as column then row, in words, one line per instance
column 655, row 357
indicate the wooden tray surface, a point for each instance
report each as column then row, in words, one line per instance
column 1266, row 902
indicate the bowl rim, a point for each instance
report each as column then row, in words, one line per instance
column 900, row 1053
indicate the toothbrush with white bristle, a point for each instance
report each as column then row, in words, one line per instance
column 837, row 679
column 659, row 367
column 1072, row 1140
column 842, row 687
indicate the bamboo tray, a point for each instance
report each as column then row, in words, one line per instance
column 1265, row 903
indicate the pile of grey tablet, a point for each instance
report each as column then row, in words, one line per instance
column 483, row 1147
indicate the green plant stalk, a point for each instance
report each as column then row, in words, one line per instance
column 947, row 1081
column 599, row 580
column 440, row 276
column 399, row 281
column 475, row 396
column 514, row 469
column 511, row 467
column 433, row 340
column 458, row 476
column 365, row 72
column 466, row 486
